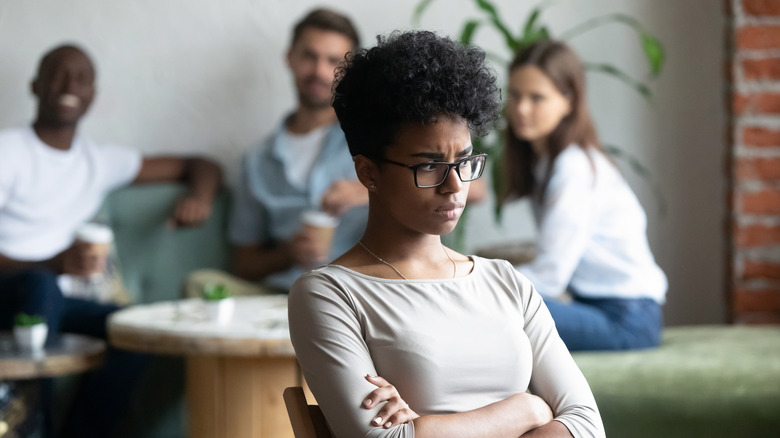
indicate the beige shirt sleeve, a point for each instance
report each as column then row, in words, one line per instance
column 556, row 378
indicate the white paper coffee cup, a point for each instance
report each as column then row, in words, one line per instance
column 99, row 237
column 95, row 233
column 323, row 225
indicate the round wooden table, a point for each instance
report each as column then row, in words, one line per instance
column 236, row 372
column 20, row 402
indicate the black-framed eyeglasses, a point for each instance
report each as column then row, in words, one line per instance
column 433, row 174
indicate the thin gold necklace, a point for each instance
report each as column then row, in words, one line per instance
column 454, row 265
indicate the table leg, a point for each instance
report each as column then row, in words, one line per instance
column 239, row 397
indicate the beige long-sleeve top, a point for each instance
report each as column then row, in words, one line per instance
column 448, row 346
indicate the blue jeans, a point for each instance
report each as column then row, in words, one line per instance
column 104, row 393
column 607, row 323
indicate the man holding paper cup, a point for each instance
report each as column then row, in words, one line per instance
column 53, row 181
column 299, row 203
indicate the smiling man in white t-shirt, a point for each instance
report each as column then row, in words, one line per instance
column 53, row 180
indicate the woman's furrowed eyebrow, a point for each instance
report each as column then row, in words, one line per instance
column 466, row 151
column 440, row 156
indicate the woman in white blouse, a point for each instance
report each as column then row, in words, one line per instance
column 591, row 229
column 458, row 341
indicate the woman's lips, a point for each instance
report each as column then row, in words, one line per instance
column 450, row 211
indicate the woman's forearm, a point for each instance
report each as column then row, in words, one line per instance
column 553, row 429
column 511, row 417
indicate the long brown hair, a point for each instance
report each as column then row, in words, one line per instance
column 559, row 63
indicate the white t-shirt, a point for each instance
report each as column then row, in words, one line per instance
column 46, row 193
column 448, row 346
column 300, row 152
column 592, row 235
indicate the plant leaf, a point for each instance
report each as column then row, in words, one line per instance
column 528, row 29
column 622, row 76
column 499, row 182
column 418, row 11
column 654, row 51
column 467, row 33
column 22, row 319
column 651, row 46
column 492, row 12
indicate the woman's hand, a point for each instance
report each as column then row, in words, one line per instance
column 395, row 411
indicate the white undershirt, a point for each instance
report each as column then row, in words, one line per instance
column 299, row 153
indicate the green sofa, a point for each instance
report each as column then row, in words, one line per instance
column 705, row 381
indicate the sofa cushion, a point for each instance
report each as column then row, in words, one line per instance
column 155, row 257
column 703, row 381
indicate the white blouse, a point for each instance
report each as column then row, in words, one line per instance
column 448, row 346
column 592, row 233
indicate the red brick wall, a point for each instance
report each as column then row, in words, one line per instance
column 753, row 69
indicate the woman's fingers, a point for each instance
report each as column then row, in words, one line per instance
column 404, row 415
column 384, row 392
column 395, row 410
column 377, row 380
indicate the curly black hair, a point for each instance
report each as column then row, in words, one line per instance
column 412, row 77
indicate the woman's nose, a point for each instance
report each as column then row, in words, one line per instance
column 524, row 107
column 452, row 183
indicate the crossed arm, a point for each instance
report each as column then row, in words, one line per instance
column 331, row 327
column 521, row 414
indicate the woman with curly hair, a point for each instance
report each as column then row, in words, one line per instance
column 457, row 340
column 591, row 241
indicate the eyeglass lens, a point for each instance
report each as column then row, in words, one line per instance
column 433, row 174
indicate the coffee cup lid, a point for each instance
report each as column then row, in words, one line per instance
column 95, row 233
column 319, row 219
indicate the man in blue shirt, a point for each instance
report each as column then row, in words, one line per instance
column 304, row 165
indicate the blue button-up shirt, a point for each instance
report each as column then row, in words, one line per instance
column 267, row 207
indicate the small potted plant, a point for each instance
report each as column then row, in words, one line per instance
column 30, row 332
column 218, row 303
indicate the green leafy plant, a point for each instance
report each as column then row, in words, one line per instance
column 216, row 292
column 25, row 320
column 532, row 29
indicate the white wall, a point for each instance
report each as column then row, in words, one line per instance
column 207, row 76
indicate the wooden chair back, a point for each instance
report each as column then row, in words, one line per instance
column 307, row 420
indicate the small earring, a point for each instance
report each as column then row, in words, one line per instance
column 372, row 187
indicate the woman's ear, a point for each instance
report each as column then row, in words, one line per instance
column 367, row 171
